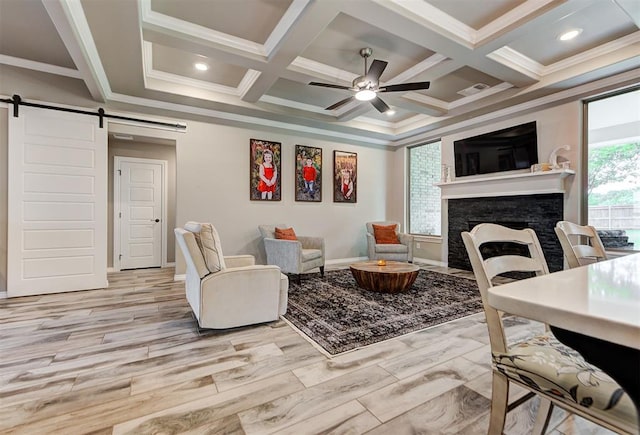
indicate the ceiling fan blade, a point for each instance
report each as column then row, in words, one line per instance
column 329, row 85
column 341, row 103
column 405, row 87
column 380, row 105
column 376, row 69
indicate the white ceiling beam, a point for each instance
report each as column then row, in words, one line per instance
column 69, row 20
column 309, row 23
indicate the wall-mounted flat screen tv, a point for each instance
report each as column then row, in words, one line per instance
column 503, row 150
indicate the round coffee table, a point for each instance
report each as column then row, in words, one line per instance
column 393, row 277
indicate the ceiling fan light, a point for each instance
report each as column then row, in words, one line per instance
column 365, row 95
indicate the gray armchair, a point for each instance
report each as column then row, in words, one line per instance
column 393, row 252
column 293, row 256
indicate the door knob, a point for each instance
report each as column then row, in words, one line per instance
column 155, row 220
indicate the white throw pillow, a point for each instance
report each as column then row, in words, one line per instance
column 211, row 248
column 196, row 254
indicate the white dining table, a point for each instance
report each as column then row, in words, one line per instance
column 600, row 300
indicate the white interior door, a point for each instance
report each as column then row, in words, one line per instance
column 141, row 212
column 57, row 202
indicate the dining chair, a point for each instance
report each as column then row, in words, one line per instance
column 541, row 364
column 580, row 243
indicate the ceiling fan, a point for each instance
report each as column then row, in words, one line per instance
column 366, row 87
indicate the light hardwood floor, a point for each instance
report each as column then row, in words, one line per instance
column 130, row 359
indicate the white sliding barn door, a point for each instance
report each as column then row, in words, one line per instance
column 57, row 202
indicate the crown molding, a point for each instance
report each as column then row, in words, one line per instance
column 289, row 103
column 312, row 68
column 433, row 18
column 39, row 66
column 237, row 45
column 295, row 129
column 594, row 53
column 521, row 12
column 425, row 99
column 515, row 110
column 517, row 61
column 480, row 95
column 418, row 68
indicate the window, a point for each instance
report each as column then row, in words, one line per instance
column 424, row 197
column 613, row 169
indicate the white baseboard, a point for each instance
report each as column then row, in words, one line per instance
column 342, row 261
column 345, row 260
column 167, row 265
column 433, row 262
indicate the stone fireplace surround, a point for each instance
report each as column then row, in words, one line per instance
column 516, row 200
column 538, row 212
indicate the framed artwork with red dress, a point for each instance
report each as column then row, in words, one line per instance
column 345, row 176
column 308, row 173
column 264, row 170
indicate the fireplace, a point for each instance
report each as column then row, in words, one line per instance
column 538, row 212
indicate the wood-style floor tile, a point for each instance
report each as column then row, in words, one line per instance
column 131, row 359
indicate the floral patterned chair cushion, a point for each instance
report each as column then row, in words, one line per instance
column 546, row 365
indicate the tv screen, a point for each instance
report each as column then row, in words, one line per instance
column 503, row 150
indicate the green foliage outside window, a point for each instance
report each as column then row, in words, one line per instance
column 617, row 166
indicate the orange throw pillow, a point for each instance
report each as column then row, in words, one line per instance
column 385, row 234
column 286, row 234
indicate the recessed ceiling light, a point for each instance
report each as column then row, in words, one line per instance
column 200, row 66
column 390, row 112
column 566, row 36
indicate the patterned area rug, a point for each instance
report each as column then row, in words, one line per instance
column 340, row 316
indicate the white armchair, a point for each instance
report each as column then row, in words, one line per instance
column 226, row 292
column 402, row 251
column 293, row 256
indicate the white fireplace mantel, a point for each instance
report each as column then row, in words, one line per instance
column 524, row 183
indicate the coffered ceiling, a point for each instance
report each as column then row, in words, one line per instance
column 478, row 55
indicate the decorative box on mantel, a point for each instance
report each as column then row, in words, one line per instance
column 525, row 183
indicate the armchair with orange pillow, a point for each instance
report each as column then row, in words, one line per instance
column 292, row 253
column 386, row 242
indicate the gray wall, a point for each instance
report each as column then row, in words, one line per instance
column 212, row 184
column 3, row 199
column 560, row 125
column 146, row 151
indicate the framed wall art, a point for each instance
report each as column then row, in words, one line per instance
column 264, row 170
column 308, row 173
column 345, row 176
